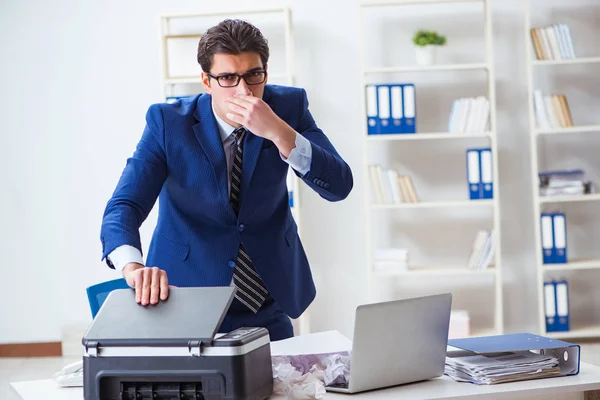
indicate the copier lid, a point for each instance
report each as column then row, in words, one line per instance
column 187, row 314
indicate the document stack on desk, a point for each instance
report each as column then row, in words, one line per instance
column 502, row 367
column 487, row 360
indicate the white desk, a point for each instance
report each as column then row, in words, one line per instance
column 564, row 388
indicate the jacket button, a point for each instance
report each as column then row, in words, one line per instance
column 326, row 186
column 231, row 264
column 316, row 180
column 241, row 228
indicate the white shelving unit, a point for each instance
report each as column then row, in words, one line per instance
column 540, row 203
column 179, row 35
column 432, row 273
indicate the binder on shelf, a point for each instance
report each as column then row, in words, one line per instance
column 391, row 108
column 410, row 105
column 398, row 122
column 566, row 353
column 372, row 117
column 290, row 186
column 384, row 109
column 547, row 234
column 562, row 305
column 550, row 306
column 560, row 238
column 479, row 173
column 473, row 174
column 487, row 184
column 556, row 306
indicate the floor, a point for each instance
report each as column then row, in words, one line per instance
column 26, row 369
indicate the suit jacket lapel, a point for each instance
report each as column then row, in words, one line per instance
column 207, row 134
column 252, row 146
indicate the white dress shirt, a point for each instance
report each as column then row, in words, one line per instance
column 299, row 159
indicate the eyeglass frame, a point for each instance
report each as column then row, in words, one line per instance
column 239, row 78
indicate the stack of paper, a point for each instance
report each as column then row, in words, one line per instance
column 500, row 367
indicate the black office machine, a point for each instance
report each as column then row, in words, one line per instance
column 171, row 350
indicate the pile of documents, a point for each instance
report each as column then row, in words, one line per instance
column 563, row 183
column 495, row 368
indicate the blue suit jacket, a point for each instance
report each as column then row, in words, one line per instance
column 180, row 159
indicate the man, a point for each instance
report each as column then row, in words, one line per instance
column 218, row 164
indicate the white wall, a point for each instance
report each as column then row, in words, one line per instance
column 77, row 78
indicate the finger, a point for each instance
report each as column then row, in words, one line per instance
column 246, row 98
column 146, row 286
column 155, row 285
column 137, row 282
column 164, row 285
column 241, row 100
column 234, row 107
column 238, row 119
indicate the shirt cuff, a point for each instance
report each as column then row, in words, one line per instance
column 123, row 255
column 300, row 156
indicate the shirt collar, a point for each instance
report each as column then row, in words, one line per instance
column 225, row 130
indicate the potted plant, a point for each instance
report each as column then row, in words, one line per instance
column 426, row 43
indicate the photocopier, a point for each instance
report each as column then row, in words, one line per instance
column 171, row 350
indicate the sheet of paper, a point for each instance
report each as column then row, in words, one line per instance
column 313, row 343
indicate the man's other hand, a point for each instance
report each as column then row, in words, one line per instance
column 150, row 283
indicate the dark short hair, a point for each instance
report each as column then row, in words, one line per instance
column 231, row 36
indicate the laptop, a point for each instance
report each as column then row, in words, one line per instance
column 398, row 342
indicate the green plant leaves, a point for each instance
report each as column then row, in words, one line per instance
column 424, row 38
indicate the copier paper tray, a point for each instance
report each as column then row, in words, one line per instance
column 169, row 350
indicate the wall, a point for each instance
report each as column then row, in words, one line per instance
column 77, row 78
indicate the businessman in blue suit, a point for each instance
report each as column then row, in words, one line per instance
column 218, row 163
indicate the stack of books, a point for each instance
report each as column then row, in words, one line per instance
column 552, row 111
column 483, row 251
column 469, row 115
column 564, row 183
column 390, row 260
column 389, row 187
column 553, row 42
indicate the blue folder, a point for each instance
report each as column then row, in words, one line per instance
column 567, row 353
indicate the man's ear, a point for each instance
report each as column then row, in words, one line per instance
column 206, row 82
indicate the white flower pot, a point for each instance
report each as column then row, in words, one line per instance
column 425, row 55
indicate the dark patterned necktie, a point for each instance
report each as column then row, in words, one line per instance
column 250, row 288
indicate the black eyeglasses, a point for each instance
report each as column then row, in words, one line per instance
column 232, row 80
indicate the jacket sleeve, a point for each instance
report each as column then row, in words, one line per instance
column 138, row 188
column 329, row 175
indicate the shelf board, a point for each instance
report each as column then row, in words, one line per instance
column 571, row 198
column 184, row 36
column 411, row 2
column 427, row 68
column 183, row 79
column 427, row 136
column 571, row 129
column 227, row 13
column 580, row 60
column 573, row 265
column 435, row 204
column 582, row 332
column 440, row 270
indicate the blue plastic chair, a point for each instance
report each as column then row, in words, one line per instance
column 98, row 293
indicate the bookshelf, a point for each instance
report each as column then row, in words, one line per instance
column 557, row 72
column 180, row 73
column 385, row 222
